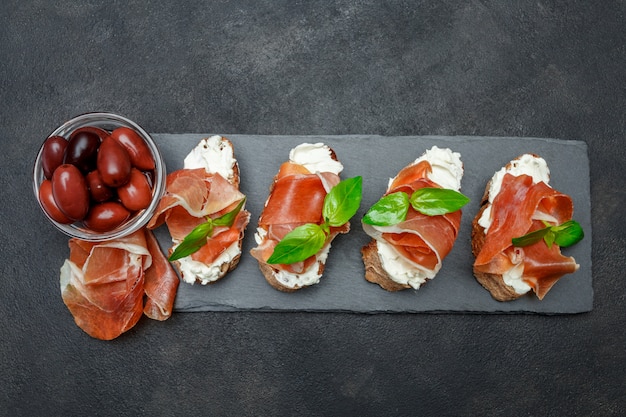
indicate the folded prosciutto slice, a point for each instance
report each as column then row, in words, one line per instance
column 103, row 284
column 518, row 200
column 296, row 198
column 409, row 253
column 160, row 282
column 195, row 194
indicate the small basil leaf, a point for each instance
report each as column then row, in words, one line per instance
column 229, row 218
column 343, row 201
column 563, row 235
column 568, row 233
column 193, row 241
column 549, row 238
column 299, row 244
column 530, row 238
column 437, row 201
column 388, row 211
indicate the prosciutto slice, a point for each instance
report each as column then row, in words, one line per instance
column 199, row 194
column 102, row 284
column 422, row 241
column 160, row 282
column 515, row 212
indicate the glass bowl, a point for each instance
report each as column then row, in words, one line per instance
column 108, row 122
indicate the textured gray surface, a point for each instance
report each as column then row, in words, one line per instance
column 376, row 159
column 551, row 69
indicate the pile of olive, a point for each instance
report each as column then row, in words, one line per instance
column 96, row 177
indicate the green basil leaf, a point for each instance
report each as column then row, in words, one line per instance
column 568, row 233
column 388, row 211
column 563, row 235
column 229, row 218
column 299, row 244
column 343, row 201
column 437, row 201
column 530, row 238
column 193, row 241
column 549, row 238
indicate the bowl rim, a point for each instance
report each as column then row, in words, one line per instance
column 138, row 220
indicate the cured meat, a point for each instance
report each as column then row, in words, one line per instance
column 199, row 193
column 515, row 211
column 160, row 282
column 102, row 284
column 296, row 198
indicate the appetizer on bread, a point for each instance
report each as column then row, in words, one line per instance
column 308, row 205
column 204, row 212
column 519, row 229
column 414, row 226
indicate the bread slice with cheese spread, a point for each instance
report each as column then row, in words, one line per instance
column 410, row 253
column 296, row 197
column 206, row 187
column 517, row 200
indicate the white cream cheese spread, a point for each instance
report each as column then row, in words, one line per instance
column 192, row 270
column 214, row 155
column 316, row 157
column 399, row 269
column 447, row 168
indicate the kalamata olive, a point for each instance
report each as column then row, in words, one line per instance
column 70, row 193
column 49, row 205
column 82, row 150
column 136, row 194
column 139, row 152
column 106, row 216
column 52, row 154
column 113, row 163
column 98, row 190
column 101, row 133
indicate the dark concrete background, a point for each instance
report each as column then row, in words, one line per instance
column 526, row 68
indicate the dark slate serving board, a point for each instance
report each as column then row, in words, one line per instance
column 376, row 159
